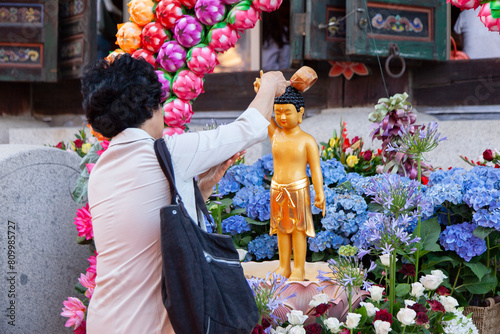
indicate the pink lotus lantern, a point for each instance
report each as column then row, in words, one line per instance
column 222, row 37
column 188, row 31
column 141, row 11
column 153, row 36
column 128, row 37
column 229, row 2
column 146, row 55
column 485, row 16
column 166, row 83
column 168, row 12
column 177, row 112
column 170, row 131
column 188, row 3
column 267, row 5
column 209, row 12
column 465, row 4
column 187, row 85
column 171, row 56
column 202, row 59
column 243, row 16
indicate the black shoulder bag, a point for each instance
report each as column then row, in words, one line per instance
column 203, row 286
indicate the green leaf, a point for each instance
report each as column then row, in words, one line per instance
column 482, row 232
column 80, row 191
column 245, row 241
column 477, row 287
column 478, row 269
column 435, row 260
column 402, row 290
column 317, row 256
column 429, row 235
column 256, row 222
column 79, row 288
column 238, row 211
column 83, row 241
column 364, row 315
column 374, row 207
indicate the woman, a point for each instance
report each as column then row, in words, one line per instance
column 127, row 187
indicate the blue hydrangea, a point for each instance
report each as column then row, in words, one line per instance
column 454, row 175
column 235, row 225
column 487, row 218
column 209, row 225
column 441, row 192
column 266, row 162
column 333, row 172
column 324, row 240
column 264, row 246
column 247, row 175
column 352, row 202
column 358, row 182
column 341, row 222
column 228, row 184
column 329, row 198
column 256, row 201
column 460, row 238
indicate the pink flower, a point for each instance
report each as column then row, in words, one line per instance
column 171, row 56
column 465, row 4
column 83, row 222
column 75, row 311
column 82, row 329
column 485, row 16
column 209, row 12
column 267, row 5
column 166, row 83
column 222, row 37
column 153, row 36
column 201, row 59
column 168, row 131
column 105, row 145
column 89, row 167
column 229, row 2
column 187, row 85
column 243, row 16
column 168, row 12
column 177, row 112
column 88, row 282
column 93, row 261
column 146, row 55
column 188, row 31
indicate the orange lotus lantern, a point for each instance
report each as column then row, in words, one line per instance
column 128, row 36
column 142, row 11
column 111, row 57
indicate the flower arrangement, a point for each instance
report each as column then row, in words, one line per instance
column 490, row 157
column 351, row 154
column 183, row 38
column 80, row 145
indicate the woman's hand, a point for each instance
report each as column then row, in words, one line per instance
column 211, row 177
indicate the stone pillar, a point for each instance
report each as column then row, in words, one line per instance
column 40, row 261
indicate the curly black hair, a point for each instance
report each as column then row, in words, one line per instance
column 291, row 96
column 119, row 95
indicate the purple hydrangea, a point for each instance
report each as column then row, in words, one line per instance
column 461, row 239
column 264, row 246
column 324, row 240
column 235, row 225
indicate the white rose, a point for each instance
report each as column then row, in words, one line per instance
column 376, row 292
column 352, row 320
column 385, row 259
column 279, row 330
column 448, row 302
column 417, row 289
column 297, row 330
column 409, row 302
column 406, row 316
column 431, row 282
column 370, row 308
column 439, row 273
column 349, row 151
column 333, row 324
column 296, row 317
column 241, row 254
column 382, row 327
column 319, row 299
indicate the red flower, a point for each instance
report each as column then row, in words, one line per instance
column 82, row 329
column 488, row 155
column 60, row 145
column 418, row 308
column 442, row 291
column 436, row 306
column 383, row 315
column 258, row 329
column 78, row 143
column 265, row 322
column 313, row 328
column 422, row 319
column 367, row 156
column 407, row 270
column 321, row 309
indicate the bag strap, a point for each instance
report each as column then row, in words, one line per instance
column 165, row 160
